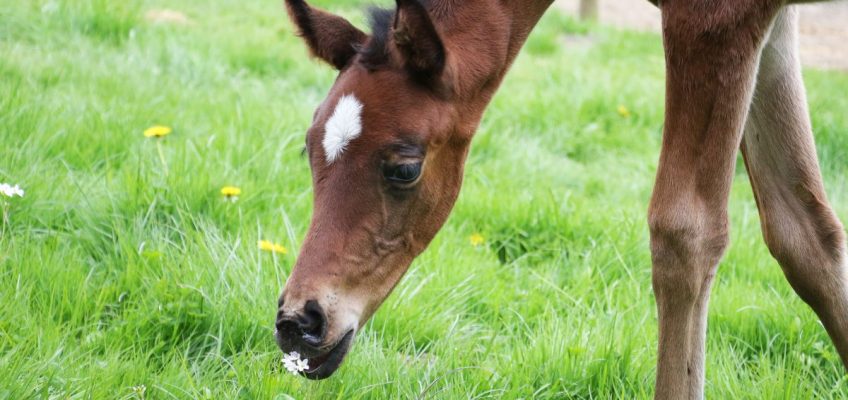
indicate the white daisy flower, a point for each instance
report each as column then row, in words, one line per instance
column 294, row 364
column 11, row 191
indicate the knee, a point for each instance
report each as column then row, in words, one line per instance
column 687, row 236
column 686, row 247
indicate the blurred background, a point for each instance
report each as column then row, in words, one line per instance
column 824, row 26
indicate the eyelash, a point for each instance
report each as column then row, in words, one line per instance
column 405, row 174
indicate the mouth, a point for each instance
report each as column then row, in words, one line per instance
column 322, row 366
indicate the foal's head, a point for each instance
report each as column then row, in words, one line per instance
column 386, row 148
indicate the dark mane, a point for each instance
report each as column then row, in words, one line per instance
column 376, row 52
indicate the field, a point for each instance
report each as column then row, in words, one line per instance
column 125, row 274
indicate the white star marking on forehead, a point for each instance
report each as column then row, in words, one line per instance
column 343, row 126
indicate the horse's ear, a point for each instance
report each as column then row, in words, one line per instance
column 329, row 37
column 417, row 40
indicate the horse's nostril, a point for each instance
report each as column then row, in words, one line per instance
column 308, row 327
column 314, row 323
column 287, row 327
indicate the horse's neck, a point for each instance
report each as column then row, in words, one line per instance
column 484, row 37
column 524, row 14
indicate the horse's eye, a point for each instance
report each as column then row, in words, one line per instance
column 403, row 174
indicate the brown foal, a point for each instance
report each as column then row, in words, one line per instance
column 388, row 144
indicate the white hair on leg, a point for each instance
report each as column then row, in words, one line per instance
column 343, row 126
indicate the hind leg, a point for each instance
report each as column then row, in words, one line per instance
column 799, row 226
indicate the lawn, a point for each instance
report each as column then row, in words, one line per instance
column 125, row 274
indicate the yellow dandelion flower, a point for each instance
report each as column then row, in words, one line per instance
column 231, row 192
column 623, row 111
column 272, row 247
column 476, row 239
column 157, row 131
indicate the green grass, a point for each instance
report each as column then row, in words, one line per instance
column 116, row 275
